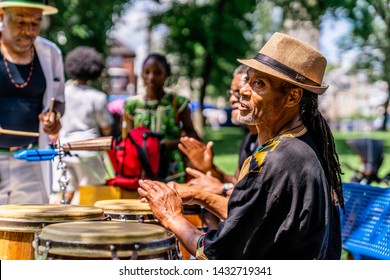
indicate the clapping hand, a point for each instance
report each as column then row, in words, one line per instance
column 200, row 155
column 205, row 181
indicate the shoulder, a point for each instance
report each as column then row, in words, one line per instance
column 41, row 42
column 285, row 155
column 292, row 150
column 179, row 102
column 133, row 102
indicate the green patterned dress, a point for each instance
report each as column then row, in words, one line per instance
column 161, row 116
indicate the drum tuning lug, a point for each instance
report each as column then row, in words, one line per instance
column 36, row 245
column 45, row 252
column 123, row 218
column 141, row 218
column 114, row 255
column 135, row 253
column 179, row 254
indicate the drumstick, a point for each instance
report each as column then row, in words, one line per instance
column 19, row 133
column 51, row 105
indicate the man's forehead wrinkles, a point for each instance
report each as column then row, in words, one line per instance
column 255, row 74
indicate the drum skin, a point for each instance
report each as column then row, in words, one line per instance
column 129, row 210
column 133, row 210
column 104, row 240
column 20, row 222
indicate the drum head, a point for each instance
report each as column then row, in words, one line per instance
column 97, row 239
column 124, row 206
column 25, row 217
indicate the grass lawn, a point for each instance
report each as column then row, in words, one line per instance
column 227, row 142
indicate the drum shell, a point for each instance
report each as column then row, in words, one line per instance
column 104, row 241
column 127, row 210
column 20, row 222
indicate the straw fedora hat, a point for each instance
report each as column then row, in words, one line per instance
column 291, row 60
column 37, row 4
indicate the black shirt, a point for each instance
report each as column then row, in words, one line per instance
column 20, row 107
column 280, row 208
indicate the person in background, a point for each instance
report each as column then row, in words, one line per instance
column 286, row 202
column 206, row 175
column 31, row 99
column 86, row 117
column 201, row 155
column 162, row 112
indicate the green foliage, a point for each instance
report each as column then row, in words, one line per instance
column 83, row 22
column 370, row 36
column 207, row 38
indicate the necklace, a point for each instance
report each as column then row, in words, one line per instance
column 25, row 84
column 284, row 132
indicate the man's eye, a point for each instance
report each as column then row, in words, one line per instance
column 257, row 83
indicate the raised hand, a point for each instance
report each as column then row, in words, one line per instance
column 200, row 155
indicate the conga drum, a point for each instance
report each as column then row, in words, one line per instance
column 127, row 210
column 104, row 241
column 19, row 223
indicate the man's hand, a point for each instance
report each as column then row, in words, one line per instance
column 50, row 122
column 200, row 155
column 163, row 199
column 205, row 181
column 185, row 192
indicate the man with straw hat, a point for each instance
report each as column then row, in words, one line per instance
column 31, row 99
column 286, row 202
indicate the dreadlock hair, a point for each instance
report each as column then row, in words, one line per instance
column 323, row 137
column 84, row 63
column 319, row 128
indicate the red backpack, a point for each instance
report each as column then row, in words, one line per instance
column 134, row 158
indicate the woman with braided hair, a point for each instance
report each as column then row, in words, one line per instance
column 286, row 202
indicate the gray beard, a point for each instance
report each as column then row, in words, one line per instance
column 235, row 121
column 249, row 119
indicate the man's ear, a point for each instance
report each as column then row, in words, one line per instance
column 294, row 97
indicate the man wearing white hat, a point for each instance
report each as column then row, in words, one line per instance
column 31, row 78
column 286, row 202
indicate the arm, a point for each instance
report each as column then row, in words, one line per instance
column 127, row 124
column 201, row 157
column 214, row 203
column 103, row 116
column 166, row 206
column 51, row 120
column 188, row 128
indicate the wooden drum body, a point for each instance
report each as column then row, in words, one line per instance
column 127, row 210
column 20, row 222
column 105, row 240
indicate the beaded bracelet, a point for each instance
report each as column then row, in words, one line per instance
column 200, row 248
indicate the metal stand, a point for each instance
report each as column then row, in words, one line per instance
column 64, row 179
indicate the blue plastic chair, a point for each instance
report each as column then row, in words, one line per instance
column 366, row 223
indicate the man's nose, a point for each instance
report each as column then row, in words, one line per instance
column 245, row 90
column 28, row 29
